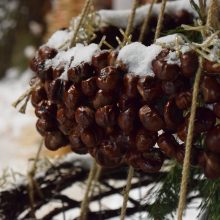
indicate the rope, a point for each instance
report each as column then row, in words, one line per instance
column 189, row 139
column 85, row 202
column 131, row 169
column 96, row 178
column 212, row 17
column 160, row 20
column 126, row 193
column 143, row 30
column 130, row 21
column 82, row 16
column 146, row 21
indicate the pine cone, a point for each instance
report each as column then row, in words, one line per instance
column 104, row 109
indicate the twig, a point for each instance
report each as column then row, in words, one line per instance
column 22, row 97
column 103, row 41
column 31, row 182
column 26, row 95
column 201, row 49
column 23, row 108
column 82, row 16
column 194, row 28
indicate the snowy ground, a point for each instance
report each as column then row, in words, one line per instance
column 18, row 138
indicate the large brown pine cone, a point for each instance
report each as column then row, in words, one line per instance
column 116, row 115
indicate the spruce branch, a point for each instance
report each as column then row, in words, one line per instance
column 210, row 191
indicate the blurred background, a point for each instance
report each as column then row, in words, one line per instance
column 24, row 26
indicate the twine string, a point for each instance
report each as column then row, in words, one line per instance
column 131, row 169
column 144, row 27
column 160, row 20
column 130, row 25
column 189, row 139
column 85, row 201
column 158, row 29
column 126, row 192
column 96, row 179
column 96, row 171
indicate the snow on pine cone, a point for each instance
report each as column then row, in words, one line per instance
column 127, row 106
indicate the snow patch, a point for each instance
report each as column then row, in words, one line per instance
column 84, row 53
column 185, row 48
column 59, row 38
column 73, row 57
column 138, row 58
column 215, row 51
column 169, row 39
column 18, row 137
column 172, row 58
